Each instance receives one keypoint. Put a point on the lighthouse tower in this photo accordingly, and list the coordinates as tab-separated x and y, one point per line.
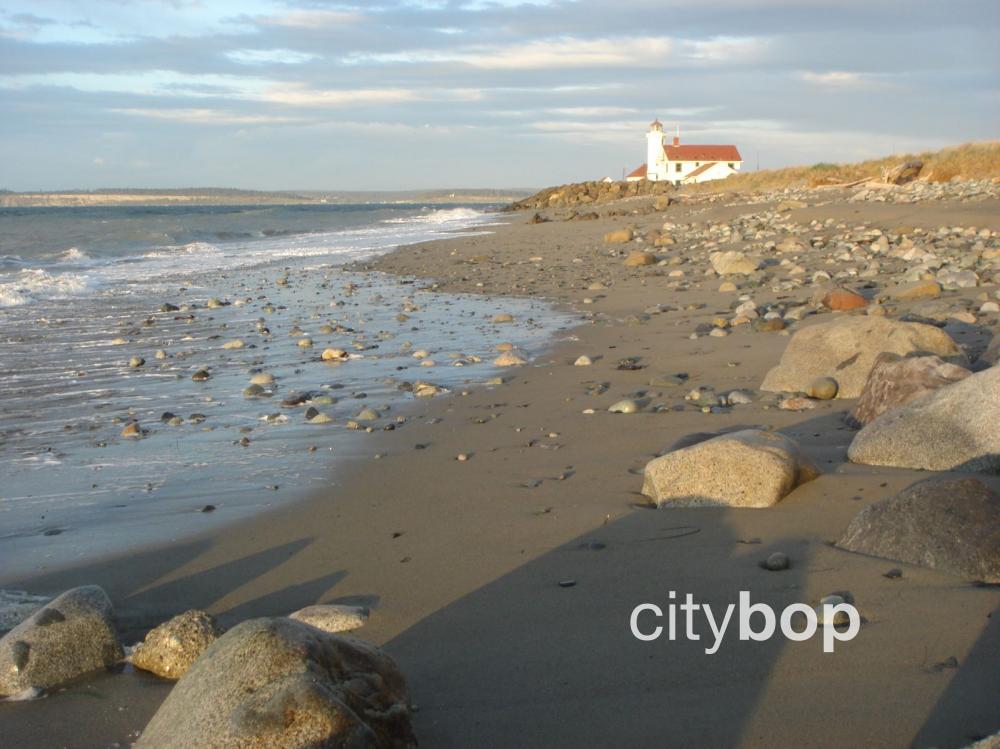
656	160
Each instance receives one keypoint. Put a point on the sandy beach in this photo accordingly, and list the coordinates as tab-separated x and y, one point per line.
502	583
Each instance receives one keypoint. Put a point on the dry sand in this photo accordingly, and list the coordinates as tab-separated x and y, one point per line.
461	560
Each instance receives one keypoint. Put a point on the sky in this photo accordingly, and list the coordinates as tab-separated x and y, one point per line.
407	94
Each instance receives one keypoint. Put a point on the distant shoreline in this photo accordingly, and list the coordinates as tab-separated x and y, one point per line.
111	198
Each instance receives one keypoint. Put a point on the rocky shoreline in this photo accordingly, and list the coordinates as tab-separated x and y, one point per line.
802	380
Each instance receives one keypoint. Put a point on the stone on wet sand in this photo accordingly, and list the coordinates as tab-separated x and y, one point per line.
776	562
72	636
132	430
503	318
136	361
846	350
949	524
895	381
170	649
626	406
583	361
201	375
262	378
234	344
954	428
733	262
509	359
334	354
254	391
280	683
332	617
748	468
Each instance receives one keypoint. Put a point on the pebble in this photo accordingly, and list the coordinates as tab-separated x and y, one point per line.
777	562
583	361
796	403
503	318
262	378
132	429
626	406
254	391
333	354
305	343
823	388
201	375
234	344
136	361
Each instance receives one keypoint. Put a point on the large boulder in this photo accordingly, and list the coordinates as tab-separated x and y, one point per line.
955	428
72	636
748	468
951	524
846	350
895	381
170	649
733	262
278	683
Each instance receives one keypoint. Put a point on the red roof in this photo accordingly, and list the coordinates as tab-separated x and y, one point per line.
702	153
639	171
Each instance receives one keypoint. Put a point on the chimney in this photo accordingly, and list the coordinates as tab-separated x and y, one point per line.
677	141
677	136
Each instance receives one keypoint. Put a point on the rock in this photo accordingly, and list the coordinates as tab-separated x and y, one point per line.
201	375
509	359
732	262
788	205
425	390
626	406
16	606
895	381
170	649
582	361
72	636
332	617
796	403
620	236
918	290
637	258
727	287
769	325
739	398
254	391
846	350
842	299
136	361
279	683
957	279
132	430
160	354
949	524
503	318
334	354
840	618
823	388
777	562
748	468
305	343
954	428
319	418
234	344
262	379
367	414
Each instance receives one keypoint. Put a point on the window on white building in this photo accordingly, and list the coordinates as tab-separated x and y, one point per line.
677	168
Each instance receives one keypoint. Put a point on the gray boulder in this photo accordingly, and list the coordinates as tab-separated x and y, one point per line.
846	350
748	468
170	649
895	381
951	524
72	636
277	683
955	428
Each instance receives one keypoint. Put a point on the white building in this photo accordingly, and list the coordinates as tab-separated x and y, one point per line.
684	164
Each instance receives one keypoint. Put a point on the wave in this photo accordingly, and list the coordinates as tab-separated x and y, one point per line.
35	284
440	216
74	255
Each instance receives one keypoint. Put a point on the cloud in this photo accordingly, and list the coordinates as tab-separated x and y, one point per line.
206	116
301	95
270	56
842	79
313	19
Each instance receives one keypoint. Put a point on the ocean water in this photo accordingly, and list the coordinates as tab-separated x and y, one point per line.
82	292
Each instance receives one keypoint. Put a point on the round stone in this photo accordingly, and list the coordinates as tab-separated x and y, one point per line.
823	388
201	375
136	361
777	562
626	406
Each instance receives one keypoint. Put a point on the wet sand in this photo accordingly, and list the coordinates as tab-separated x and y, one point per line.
461	560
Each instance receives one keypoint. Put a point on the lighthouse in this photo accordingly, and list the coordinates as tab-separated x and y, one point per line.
655	156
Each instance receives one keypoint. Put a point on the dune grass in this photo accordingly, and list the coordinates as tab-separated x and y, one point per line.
968	161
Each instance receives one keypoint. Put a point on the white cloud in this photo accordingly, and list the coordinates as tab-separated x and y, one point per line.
206	116
842	79
577	52
314	19
270	56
